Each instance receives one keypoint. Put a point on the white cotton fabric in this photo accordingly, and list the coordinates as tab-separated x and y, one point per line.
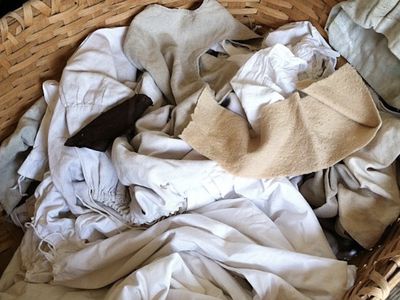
362	192
293	52
80	198
260	240
206	247
305	42
96	78
268	76
165	177
12	286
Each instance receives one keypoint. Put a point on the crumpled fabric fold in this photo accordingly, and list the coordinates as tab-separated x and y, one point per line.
151	217
362	191
367	34
13	152
171	50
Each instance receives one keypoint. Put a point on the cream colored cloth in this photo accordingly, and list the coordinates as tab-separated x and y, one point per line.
362	191
297	135
168	44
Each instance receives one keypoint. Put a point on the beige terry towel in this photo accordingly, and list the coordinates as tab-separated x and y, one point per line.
297	135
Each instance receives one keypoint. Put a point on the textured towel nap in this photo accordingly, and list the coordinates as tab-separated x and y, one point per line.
297	135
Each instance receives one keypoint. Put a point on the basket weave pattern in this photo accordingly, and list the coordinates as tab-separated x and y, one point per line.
37	39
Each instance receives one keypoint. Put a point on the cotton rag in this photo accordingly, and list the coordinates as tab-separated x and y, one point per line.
13	152
297	135
168	43
362	190
367	34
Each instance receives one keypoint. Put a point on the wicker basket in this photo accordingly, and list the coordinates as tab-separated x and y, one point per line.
37	39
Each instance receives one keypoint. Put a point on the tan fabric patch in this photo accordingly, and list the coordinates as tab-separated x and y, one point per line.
297	136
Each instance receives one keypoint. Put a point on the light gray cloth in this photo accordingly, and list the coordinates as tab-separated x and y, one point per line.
168	44
367	34
13	152
36	163
395	294
362	191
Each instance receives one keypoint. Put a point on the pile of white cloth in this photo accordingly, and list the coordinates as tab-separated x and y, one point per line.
151	218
